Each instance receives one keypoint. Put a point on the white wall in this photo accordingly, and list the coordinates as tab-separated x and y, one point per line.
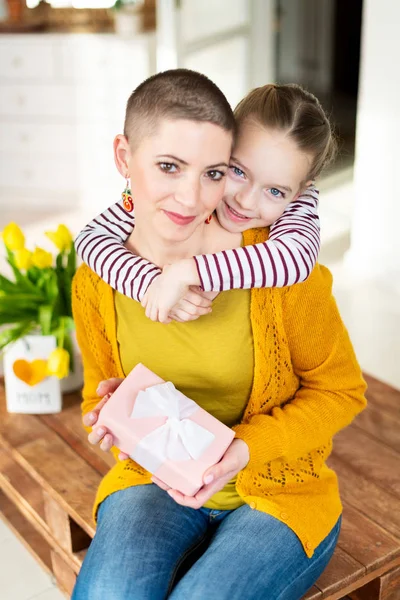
375	235
230	41
62	101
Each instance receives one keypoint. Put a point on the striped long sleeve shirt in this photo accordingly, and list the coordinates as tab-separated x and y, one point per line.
287	257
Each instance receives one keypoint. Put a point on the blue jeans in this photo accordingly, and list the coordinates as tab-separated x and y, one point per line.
147	547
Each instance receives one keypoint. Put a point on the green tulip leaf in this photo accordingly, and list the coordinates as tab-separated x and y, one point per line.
12	334
45	317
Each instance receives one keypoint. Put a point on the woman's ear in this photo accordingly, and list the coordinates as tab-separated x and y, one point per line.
122	155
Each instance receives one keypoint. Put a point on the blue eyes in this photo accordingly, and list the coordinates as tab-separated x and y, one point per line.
276	193
237	171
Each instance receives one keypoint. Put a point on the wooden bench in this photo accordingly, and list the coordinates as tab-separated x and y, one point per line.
49	474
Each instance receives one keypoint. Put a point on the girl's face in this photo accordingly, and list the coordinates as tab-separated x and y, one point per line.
178	176
267	171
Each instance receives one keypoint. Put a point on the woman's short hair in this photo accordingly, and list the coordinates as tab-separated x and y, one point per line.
175	94
291	108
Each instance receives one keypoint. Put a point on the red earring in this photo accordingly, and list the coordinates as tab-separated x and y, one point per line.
127	198
208	220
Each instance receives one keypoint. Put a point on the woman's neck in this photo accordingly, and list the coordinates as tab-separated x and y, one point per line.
207	239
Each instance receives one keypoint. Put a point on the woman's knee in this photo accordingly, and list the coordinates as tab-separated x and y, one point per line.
123	505
98	585
113	547
140	539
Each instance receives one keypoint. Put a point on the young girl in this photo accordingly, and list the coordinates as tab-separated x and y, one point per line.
287	257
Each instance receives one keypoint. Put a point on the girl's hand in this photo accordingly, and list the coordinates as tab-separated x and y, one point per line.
195	304
215	478
168	289
100	435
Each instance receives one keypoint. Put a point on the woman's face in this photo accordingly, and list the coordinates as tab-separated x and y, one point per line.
178	176
267	171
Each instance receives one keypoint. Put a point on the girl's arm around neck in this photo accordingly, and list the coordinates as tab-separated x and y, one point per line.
101	246
287	257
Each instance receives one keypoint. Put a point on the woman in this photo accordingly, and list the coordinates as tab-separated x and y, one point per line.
274	364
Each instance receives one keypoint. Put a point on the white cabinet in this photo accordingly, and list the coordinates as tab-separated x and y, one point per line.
62	101
22	60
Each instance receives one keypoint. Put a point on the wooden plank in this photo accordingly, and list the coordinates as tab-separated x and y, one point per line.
382	395
21	489
25	532
16	430
382	426
368	498
390	585
32	505
386	587
365	541
67	478
58	521
68	425
43	530
369	458
313	594
80	556
358	583
341	571
63	573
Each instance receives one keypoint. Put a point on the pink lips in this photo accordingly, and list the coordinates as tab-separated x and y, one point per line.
179	219
235	216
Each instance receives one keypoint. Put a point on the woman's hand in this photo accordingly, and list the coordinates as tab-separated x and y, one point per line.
99	435
174	294
215	478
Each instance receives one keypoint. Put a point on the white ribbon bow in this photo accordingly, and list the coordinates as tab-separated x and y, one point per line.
178	438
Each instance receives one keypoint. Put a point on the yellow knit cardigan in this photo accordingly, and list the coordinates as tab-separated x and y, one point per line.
307	386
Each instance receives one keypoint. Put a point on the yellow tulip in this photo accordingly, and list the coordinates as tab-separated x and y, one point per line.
41	258
62	237
13	237
23	259
58	363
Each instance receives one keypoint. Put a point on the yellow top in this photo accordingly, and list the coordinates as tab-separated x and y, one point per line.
209	360
307	385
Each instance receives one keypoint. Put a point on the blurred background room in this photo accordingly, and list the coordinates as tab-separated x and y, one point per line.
67	68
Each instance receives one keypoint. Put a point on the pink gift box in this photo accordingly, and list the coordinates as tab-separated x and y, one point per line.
129	432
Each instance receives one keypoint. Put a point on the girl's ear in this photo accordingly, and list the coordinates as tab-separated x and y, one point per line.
122	155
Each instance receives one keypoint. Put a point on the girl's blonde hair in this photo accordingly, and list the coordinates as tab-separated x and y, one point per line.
291	108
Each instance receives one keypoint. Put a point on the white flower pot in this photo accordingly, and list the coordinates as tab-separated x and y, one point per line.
28	389
44	396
